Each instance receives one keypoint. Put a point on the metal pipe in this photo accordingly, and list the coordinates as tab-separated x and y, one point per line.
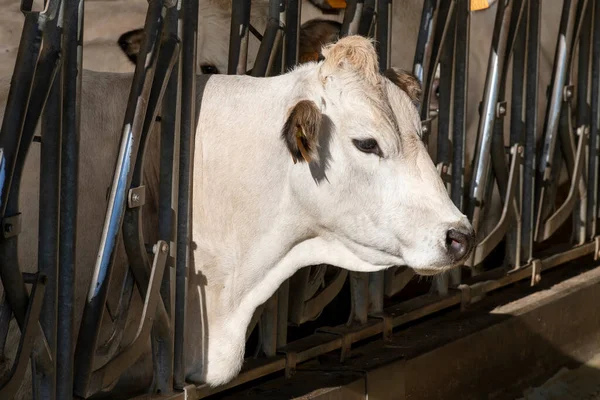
531	122
352	15
167	214
459	120
238	37
134	117
481	169
189	14
594	158
292	33
49	208
270	43
551	122
384	30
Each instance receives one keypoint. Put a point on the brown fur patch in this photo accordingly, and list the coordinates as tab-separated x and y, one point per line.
314	34
353	52
405	81
301	131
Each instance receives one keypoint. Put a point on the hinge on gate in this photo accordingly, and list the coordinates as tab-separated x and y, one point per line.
11	226
136	197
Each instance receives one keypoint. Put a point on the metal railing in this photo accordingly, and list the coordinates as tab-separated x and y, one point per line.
47	83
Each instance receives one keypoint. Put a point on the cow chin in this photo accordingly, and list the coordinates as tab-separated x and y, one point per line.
429	271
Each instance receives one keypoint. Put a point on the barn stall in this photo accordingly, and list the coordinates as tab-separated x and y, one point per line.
524	170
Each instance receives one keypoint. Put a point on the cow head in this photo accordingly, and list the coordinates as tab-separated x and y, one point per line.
362	173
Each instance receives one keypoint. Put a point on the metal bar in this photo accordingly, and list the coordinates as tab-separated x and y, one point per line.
551	123
352	15
189	110
594	156
72	75
133	223
425	39
367	20
27	96
383	33
443	22
270	43
481	168
167	214
111	371
134	118
292	33
459	120
531	102
49	208
12	381
238	37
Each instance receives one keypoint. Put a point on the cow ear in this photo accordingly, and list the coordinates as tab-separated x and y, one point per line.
131	42
407	82
301	131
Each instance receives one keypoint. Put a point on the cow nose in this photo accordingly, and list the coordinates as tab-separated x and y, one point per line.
459	244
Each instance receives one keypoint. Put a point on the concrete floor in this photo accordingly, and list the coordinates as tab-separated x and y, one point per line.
582	383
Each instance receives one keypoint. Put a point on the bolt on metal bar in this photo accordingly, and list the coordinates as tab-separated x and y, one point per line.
134	117
189	109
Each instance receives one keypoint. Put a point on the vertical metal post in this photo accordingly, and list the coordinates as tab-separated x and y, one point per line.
546	167
459	126
384	30
238	37
352	15
270	43
121	183
482	171
167	211
531	121
292	33
49	208
72	77
594	158
189	14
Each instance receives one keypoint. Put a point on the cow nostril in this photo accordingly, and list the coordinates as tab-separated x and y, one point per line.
459	244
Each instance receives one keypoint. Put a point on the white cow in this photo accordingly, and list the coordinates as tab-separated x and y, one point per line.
368	198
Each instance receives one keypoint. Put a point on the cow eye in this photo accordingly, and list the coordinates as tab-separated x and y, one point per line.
368	146
209	69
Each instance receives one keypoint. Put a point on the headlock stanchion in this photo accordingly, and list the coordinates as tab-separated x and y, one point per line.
87	380
32	79
534	204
